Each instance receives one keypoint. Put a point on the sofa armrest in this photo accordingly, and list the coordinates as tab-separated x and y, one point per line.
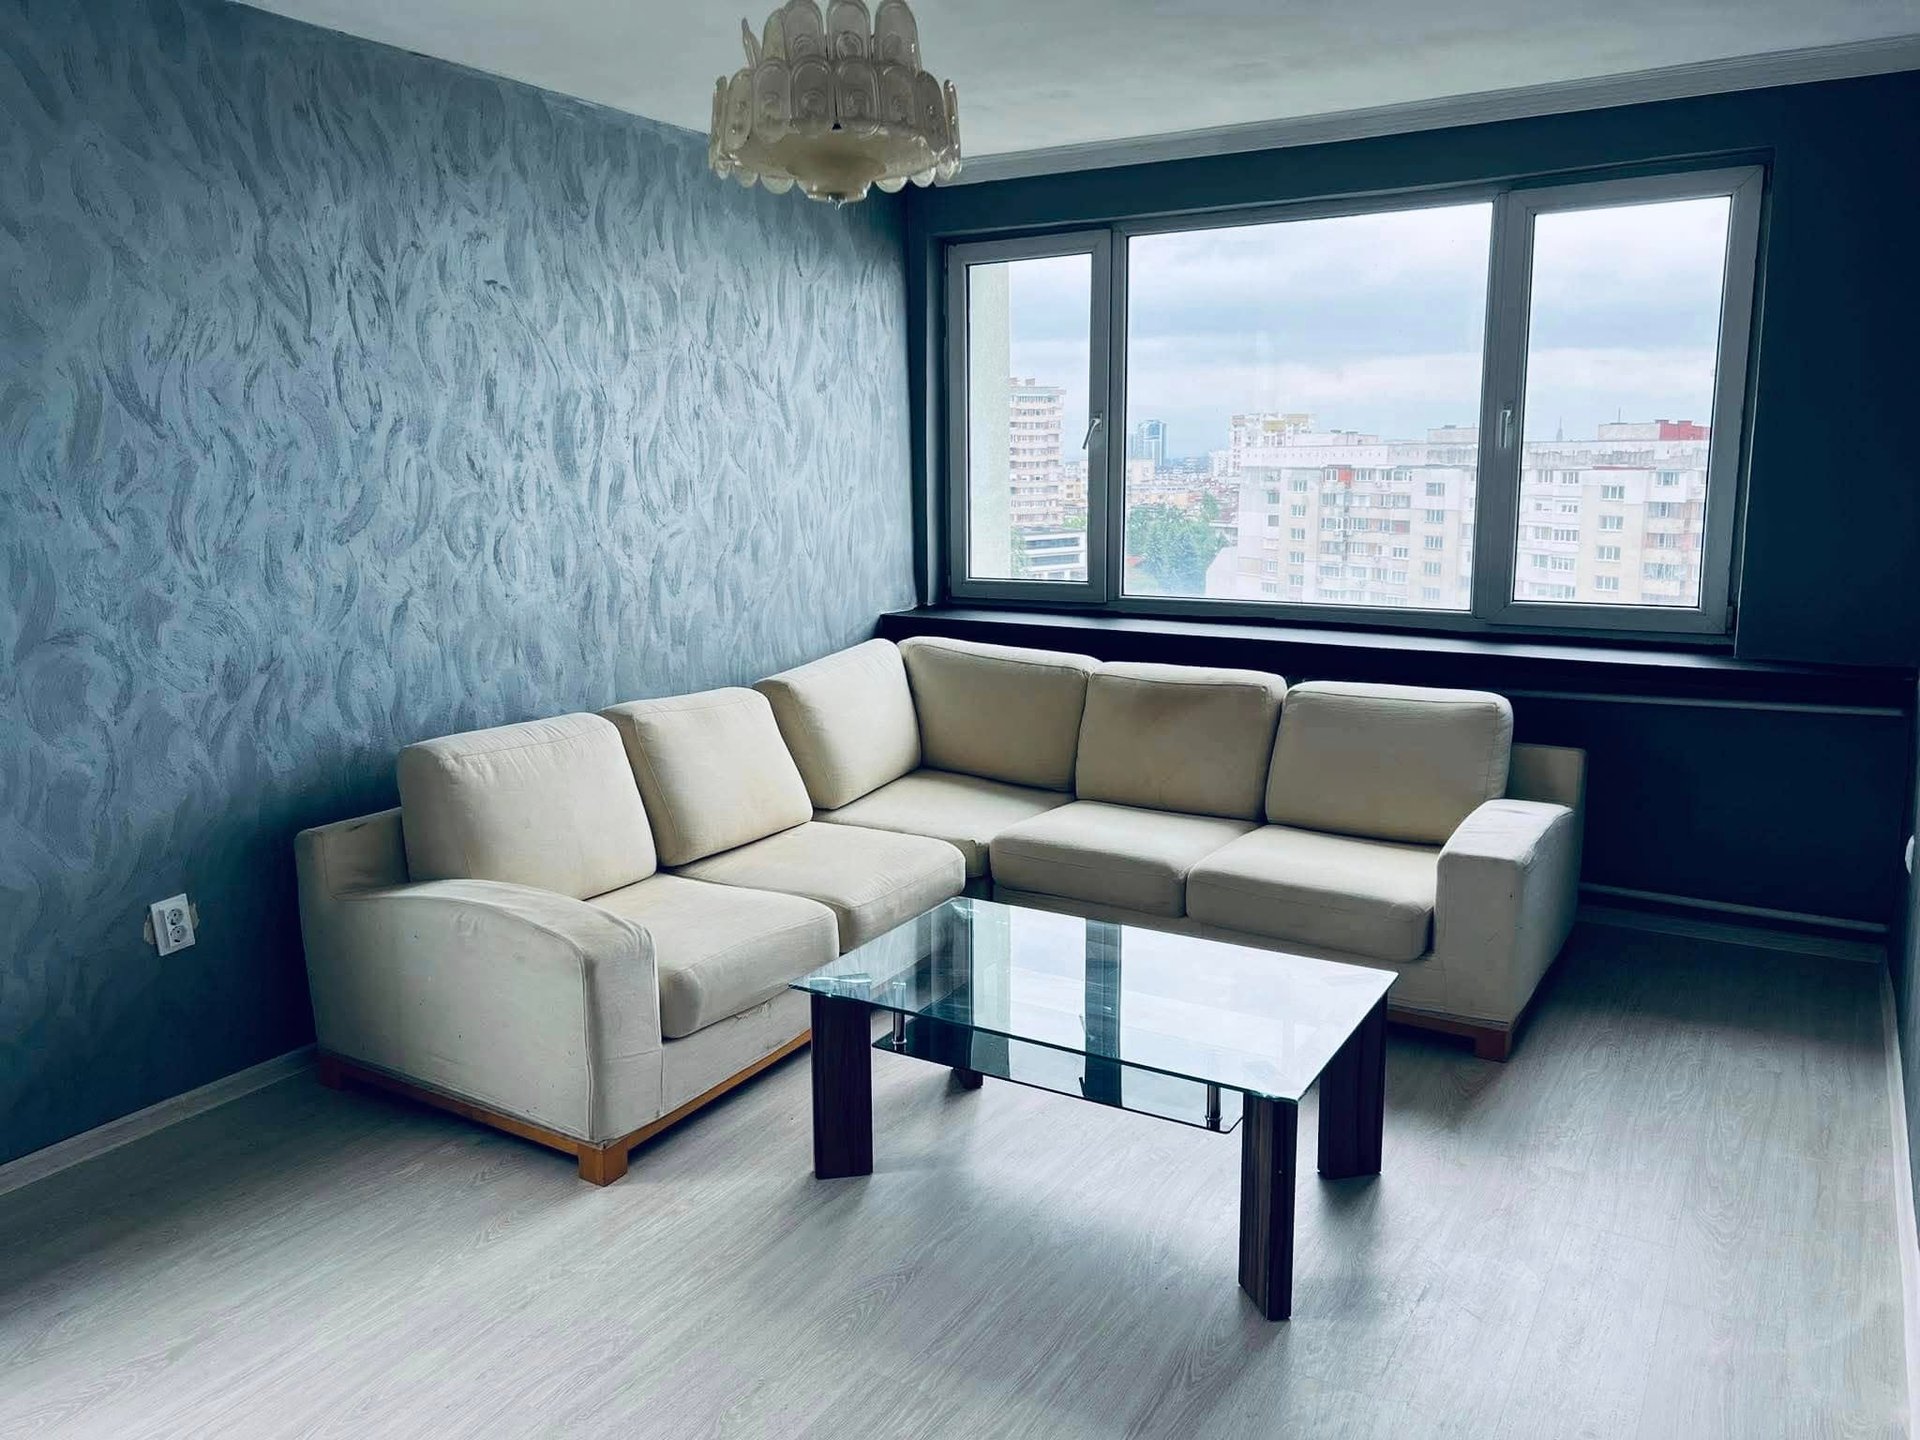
532	1003
1509	882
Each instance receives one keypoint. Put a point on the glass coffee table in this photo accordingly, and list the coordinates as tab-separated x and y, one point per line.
1190	1030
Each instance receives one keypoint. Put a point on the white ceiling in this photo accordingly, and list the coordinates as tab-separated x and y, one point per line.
1039	74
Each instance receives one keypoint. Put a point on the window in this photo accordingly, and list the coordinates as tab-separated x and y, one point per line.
1033	352
1606	582
1268	341
1500	354
1628	330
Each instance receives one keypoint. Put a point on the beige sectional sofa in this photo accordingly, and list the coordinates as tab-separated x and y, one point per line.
1378	824
580	929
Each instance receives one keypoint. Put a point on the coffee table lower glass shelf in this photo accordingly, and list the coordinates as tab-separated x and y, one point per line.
1195	1031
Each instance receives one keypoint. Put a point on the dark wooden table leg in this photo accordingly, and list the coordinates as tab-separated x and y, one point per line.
842	1088
1269	1133
967	1079
1353	1101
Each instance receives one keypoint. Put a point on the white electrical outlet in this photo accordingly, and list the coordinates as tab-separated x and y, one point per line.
171	923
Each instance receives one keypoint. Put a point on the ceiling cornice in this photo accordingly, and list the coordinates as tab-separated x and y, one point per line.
1675	82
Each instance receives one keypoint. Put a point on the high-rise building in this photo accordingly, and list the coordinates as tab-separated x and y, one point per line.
1035	474
1148	442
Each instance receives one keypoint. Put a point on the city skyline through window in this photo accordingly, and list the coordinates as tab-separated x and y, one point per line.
1301	411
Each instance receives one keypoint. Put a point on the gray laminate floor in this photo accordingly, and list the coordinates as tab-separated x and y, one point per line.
1672	1214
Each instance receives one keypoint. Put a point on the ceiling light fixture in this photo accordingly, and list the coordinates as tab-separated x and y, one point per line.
835	105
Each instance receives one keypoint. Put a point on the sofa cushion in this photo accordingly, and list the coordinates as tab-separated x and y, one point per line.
719	949
1392	762
872	880
1110	854
1367	897
550	804
1178	737
713	771
963	810
848	720
998	711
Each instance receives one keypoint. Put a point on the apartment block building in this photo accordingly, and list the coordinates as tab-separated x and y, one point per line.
1035	475
1341	518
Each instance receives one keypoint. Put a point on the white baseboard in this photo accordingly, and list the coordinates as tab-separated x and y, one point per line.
115	1133
1906	1231
1729	932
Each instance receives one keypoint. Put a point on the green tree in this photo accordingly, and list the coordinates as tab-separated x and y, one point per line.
1172	548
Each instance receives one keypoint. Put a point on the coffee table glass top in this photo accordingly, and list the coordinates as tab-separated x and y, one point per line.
1144	1002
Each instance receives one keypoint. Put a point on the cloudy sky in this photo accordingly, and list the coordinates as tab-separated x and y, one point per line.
1374	322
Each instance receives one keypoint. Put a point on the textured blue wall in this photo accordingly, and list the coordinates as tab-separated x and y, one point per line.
347	397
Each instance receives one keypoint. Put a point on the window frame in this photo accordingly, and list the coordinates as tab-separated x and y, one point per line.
1492	612
961	583
1503	420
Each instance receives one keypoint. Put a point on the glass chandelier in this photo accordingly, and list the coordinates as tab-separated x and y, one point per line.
835	105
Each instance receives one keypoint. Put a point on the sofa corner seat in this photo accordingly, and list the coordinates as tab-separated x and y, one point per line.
966	811
731	807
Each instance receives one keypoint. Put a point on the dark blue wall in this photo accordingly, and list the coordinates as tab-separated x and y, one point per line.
1738	785
347	397
1832	537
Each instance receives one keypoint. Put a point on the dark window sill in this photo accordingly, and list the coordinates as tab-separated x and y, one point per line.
1303	653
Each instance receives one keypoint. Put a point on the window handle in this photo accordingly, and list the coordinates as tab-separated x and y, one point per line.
1093	424
1506	427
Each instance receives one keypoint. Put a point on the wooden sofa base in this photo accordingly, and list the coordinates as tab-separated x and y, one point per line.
600	1164
604	1163
1490	1042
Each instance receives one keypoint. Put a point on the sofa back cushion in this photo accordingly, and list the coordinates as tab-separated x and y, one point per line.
848	721
998	711
1178	737
713	770
1393	762
550	803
